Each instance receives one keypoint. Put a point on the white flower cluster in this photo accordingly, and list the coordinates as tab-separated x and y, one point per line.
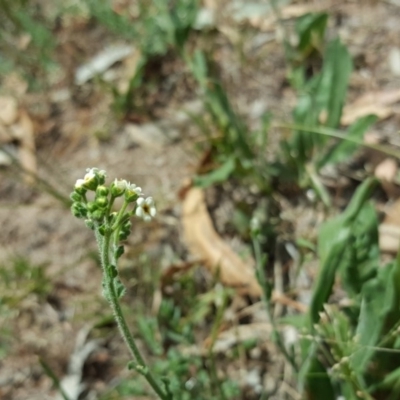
145	207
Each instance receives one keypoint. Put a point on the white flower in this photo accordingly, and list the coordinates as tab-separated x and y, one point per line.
79	183
91	179
96	172
134	189
121	184
145	208
91	173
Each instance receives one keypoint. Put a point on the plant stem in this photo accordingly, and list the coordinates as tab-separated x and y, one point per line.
266	295
113	299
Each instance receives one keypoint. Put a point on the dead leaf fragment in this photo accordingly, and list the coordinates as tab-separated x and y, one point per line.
389	238
379	103
8	110
102	61
386	171
204	241
389	230
394	61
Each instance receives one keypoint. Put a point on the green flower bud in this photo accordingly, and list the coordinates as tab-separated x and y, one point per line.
102	202
75	196
92	206
102	191
118	187
98	215
132	193
79	210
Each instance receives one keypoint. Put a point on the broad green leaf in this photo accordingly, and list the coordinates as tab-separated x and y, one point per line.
219	175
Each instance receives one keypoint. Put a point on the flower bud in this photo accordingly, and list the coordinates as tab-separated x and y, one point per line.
75	196
132	193
79	210
92	206
102	202
98	215
102	191
118	187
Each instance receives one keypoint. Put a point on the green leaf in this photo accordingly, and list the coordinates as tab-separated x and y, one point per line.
346	148
333	243
363	251
311	30
377	300
318	384
335	76
118	252
219	175
199	68
119	287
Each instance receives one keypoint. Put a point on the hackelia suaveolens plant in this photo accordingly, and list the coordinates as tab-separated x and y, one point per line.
111	228
98	210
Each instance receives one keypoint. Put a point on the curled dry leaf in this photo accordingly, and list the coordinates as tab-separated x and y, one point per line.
204	241
379	103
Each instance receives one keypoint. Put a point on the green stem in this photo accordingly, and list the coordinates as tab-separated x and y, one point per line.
119	216
266	295
113	299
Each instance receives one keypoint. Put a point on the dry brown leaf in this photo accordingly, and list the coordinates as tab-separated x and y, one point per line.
8	110
389	238
389	230
378	103
386	171
204	241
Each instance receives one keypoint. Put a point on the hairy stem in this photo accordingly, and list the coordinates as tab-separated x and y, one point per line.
113	298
